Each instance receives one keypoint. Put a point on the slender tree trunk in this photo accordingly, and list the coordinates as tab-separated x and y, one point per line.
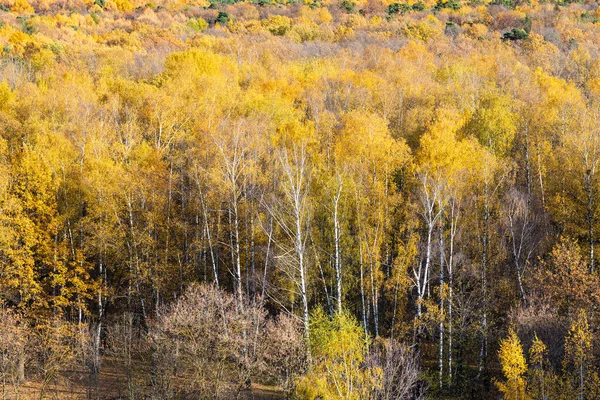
450	322
361	262
297	184
233	270
453	227
374	296
98	335
136	266
168	227
338	260
327	296
21	368
362	289
484	338
268	252
300	252
252	255
590	216
527	168
394	311
441	327
238	263
208	237
427	258
581	381
541	177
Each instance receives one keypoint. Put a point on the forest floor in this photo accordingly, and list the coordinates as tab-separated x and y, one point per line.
109	390
111	384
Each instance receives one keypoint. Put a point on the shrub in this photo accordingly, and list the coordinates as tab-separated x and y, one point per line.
12	348
278	25
449	4
348	6
339	348
124	5
399	371
514	367
198	24
451	29
222	18
284	351
209	338
423	30
124	342
53	350
515	34
420	6
476	31
95	18
403	8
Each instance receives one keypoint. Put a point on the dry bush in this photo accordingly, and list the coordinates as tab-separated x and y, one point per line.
208	340
86	350
399	371
284	351
53	347
12	350
87	353
540	318
124	342
243	11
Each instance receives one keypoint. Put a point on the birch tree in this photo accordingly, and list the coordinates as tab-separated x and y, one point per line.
292	212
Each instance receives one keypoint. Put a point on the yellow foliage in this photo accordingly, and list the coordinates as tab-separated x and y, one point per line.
579	340
366	137
320	15
42	58
537	351
375	20
123	5
278	25
324	16
476	30
514	367
355	21
343	32
308	32
338	347
22	7
6	97
443	155
494	123
424	30
254	27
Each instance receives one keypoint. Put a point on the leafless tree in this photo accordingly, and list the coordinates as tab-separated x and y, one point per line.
124	343
12	351
207	340
87	352
53	347
400	371
284	351
520	226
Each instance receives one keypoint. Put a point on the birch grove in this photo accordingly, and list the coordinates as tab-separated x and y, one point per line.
349	199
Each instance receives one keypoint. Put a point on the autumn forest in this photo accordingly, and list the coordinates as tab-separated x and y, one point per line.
211	199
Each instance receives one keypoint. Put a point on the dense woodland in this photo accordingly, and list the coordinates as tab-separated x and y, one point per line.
333	200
